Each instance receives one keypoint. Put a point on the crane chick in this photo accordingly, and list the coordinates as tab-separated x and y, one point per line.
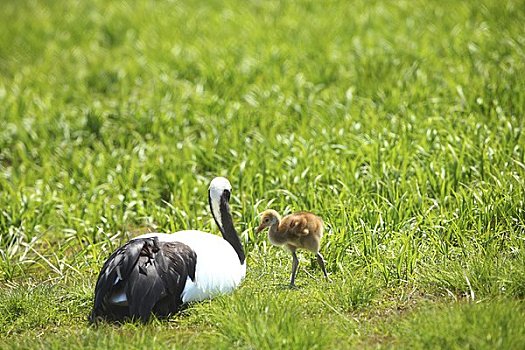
299	230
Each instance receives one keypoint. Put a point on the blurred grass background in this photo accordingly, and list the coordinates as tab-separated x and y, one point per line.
400	123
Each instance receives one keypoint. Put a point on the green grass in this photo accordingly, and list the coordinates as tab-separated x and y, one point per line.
399	122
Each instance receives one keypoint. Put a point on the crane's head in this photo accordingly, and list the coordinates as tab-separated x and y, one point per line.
219	195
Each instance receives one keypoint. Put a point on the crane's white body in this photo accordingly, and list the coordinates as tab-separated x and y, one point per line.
218	270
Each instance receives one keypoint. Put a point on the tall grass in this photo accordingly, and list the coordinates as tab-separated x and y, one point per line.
400	123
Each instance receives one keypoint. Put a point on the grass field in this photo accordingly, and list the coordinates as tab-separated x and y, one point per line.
399	122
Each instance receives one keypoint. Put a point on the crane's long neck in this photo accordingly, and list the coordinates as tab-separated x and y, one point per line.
220	209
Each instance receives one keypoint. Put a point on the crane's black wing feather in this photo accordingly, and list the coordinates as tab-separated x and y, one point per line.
152	276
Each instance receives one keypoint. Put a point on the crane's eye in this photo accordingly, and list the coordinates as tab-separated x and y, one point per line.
266	220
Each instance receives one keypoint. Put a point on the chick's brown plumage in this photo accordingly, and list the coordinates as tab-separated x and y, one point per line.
298	230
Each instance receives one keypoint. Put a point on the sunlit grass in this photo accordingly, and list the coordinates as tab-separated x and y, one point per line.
400	123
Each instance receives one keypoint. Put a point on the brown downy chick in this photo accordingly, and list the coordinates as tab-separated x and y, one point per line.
299	230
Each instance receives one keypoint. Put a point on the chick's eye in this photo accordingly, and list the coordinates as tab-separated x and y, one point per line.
266	220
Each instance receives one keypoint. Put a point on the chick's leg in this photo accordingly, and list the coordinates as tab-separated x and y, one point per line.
320	261
295	263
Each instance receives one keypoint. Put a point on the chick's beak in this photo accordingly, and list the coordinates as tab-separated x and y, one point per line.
260	228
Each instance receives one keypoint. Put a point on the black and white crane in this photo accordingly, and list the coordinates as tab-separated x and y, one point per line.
157	273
